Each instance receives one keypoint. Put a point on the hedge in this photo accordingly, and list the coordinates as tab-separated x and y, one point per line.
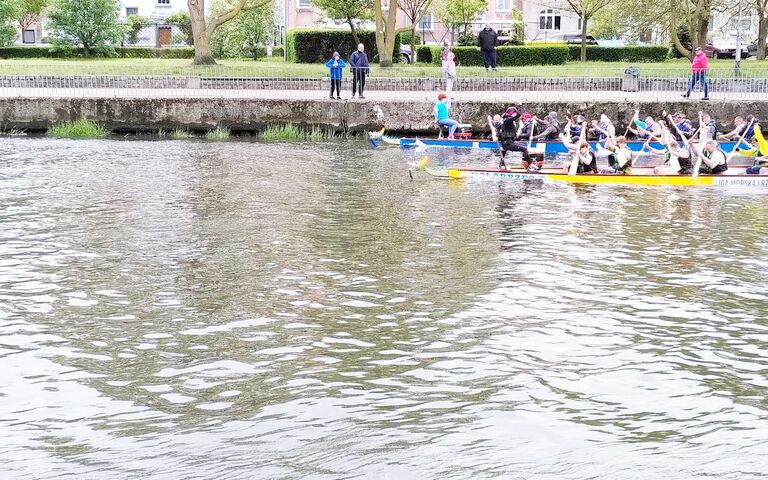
317	46
121	52
506	56
278	51
595	53
405	38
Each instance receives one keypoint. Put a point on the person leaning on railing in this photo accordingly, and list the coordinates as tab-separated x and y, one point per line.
360	68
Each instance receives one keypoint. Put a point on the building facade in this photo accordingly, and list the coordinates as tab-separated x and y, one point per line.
155	10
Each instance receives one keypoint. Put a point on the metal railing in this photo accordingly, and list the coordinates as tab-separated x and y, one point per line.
160	79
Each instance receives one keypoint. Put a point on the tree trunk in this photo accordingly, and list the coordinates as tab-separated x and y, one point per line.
583	37
762	32
673	24
413	43
354	33
200	34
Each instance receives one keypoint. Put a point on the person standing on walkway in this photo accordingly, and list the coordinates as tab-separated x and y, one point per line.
488	40
699	68
360	68
449	72
336	65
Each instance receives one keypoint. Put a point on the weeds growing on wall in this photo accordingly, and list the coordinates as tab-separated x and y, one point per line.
81	128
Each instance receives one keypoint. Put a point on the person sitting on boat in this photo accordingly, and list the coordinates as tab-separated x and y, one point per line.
551	127
442	117
709	125
527	125
677	158
738	128
713	159
647	129
587	157
507	137
603	129
759	150
575	127
682	127
620	159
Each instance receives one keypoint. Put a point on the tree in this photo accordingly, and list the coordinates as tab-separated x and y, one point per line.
8	13
91	23
518	26
352	12
694	16
761	7
204	28
181	20
30	12
246	34
414	10
133	26
460	13
586	9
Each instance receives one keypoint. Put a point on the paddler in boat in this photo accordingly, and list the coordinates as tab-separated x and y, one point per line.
709	126
682	126
713	159
603	129
527	125
645	129
677	159
575	127
758	150
442	117
620	159
739	125
551	127
507	137
587	157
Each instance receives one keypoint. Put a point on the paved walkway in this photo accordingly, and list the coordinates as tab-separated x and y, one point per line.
571	96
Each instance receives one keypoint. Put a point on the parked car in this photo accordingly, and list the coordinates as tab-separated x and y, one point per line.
724	49
571	39
406	56
752	49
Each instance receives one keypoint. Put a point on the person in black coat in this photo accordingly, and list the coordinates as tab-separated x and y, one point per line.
488	40
360	68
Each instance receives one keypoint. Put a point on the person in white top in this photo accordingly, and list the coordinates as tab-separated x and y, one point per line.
713	159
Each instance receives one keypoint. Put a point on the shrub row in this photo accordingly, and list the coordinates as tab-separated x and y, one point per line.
506	56
121	52
595	53
317	46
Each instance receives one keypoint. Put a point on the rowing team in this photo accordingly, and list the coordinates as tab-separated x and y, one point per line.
513	125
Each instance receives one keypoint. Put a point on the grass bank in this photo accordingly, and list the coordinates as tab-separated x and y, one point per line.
278	68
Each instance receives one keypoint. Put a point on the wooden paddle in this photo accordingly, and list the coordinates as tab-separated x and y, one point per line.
533	129
494	137
577	155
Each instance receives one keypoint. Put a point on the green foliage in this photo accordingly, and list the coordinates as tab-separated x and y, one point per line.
81	128
218	133
290	132
181	134
67	50
345	11
245	35
517	36
428	53
133	26
645	54
459	13
278	51
405	38
184	23
9	11
507	56
466	39
90	23
315	46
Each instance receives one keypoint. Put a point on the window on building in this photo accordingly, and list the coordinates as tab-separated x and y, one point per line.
503	5
28	36
304	3
580	20
549	20
426	22
165	3
131	11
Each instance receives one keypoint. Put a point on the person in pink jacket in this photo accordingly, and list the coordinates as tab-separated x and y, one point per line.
699	69
449	71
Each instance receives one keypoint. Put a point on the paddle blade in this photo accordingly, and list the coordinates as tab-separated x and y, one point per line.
423	163
574	165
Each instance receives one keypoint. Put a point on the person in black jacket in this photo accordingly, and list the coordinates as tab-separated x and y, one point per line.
488	40
507	137
360	68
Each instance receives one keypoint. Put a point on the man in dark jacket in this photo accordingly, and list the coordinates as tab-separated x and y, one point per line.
507	137
360	68
488	40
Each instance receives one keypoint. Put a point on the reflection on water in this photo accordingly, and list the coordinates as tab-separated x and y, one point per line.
203	310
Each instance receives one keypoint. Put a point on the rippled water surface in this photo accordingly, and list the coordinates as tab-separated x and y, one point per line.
192	310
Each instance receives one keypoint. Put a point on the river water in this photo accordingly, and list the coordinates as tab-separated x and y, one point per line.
193	310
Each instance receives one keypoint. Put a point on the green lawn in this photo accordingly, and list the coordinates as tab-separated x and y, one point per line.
278	68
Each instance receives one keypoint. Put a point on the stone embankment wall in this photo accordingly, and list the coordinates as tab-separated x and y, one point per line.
144	114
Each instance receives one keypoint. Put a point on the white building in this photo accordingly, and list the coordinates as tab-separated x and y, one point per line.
155	10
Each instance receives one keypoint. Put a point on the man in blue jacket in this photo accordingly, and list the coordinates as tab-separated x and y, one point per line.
358	62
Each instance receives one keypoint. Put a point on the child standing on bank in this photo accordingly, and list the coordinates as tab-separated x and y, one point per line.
336	65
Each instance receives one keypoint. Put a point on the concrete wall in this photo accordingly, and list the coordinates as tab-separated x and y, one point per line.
139	114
